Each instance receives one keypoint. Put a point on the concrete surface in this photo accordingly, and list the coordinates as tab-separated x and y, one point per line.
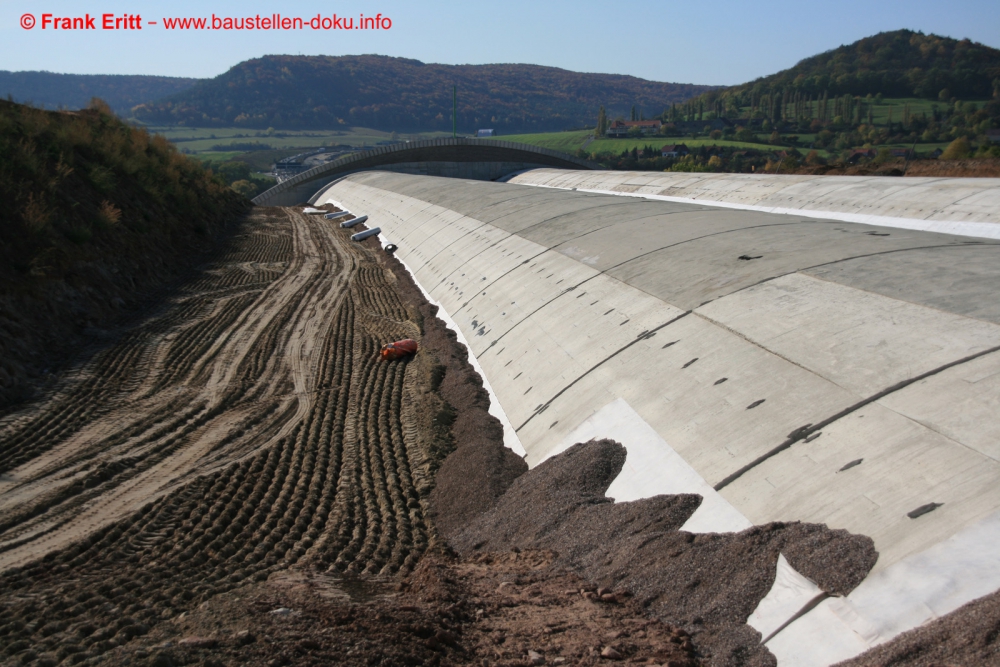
806	368
963	206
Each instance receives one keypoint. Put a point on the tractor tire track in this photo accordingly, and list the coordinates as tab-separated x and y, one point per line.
239	435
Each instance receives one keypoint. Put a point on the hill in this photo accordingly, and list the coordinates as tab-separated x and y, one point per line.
901	63
96	216
74	91
407	95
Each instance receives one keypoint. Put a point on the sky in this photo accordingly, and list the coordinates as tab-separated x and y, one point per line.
717	43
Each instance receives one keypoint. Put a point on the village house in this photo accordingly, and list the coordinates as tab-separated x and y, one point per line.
674	150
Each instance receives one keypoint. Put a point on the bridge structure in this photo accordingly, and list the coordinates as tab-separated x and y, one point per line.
473	159
790	348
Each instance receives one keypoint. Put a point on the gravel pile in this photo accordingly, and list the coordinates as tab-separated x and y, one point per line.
708	584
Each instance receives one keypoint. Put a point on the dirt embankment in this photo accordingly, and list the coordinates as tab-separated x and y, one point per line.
708	584
972	168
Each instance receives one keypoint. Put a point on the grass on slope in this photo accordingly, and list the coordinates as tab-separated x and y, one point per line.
567	142
204	139
95	215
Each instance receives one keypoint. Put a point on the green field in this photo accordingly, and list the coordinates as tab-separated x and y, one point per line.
567	142
880	112
199	140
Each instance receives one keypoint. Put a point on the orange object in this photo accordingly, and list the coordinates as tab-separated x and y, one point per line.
400	348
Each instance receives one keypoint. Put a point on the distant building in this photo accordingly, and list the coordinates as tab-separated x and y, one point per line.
674	150
993	136
901	152
620	128
617	129
486	133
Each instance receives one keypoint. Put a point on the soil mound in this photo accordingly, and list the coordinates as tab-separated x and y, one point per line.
481	469
968	636
709	584
971	168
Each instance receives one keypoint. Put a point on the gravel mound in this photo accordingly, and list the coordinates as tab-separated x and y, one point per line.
708	584
481	469
968	636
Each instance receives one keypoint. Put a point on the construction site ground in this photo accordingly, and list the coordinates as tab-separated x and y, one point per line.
237	479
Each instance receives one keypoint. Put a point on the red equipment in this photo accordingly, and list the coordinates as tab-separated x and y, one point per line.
400	348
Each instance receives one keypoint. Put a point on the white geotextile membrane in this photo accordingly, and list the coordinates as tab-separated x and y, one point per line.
905	595
653	468
790	594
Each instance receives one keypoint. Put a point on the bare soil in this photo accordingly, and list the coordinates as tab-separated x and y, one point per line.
247	428
971	168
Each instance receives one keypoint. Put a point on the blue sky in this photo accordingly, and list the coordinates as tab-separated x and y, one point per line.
722	42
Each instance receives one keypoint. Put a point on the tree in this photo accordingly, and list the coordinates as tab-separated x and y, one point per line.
602	123
233	171
634	116
245	188
957	150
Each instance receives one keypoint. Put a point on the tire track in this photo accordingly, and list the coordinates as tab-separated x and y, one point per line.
262	434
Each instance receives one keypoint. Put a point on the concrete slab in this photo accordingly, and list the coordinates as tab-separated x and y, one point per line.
653	468
965	206
961	279
861	341
898	466
915	591
689	274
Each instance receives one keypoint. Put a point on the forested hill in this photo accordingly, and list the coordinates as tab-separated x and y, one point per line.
896	64
74	91
408	95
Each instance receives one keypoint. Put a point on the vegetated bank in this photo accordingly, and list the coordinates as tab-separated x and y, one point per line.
97	215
